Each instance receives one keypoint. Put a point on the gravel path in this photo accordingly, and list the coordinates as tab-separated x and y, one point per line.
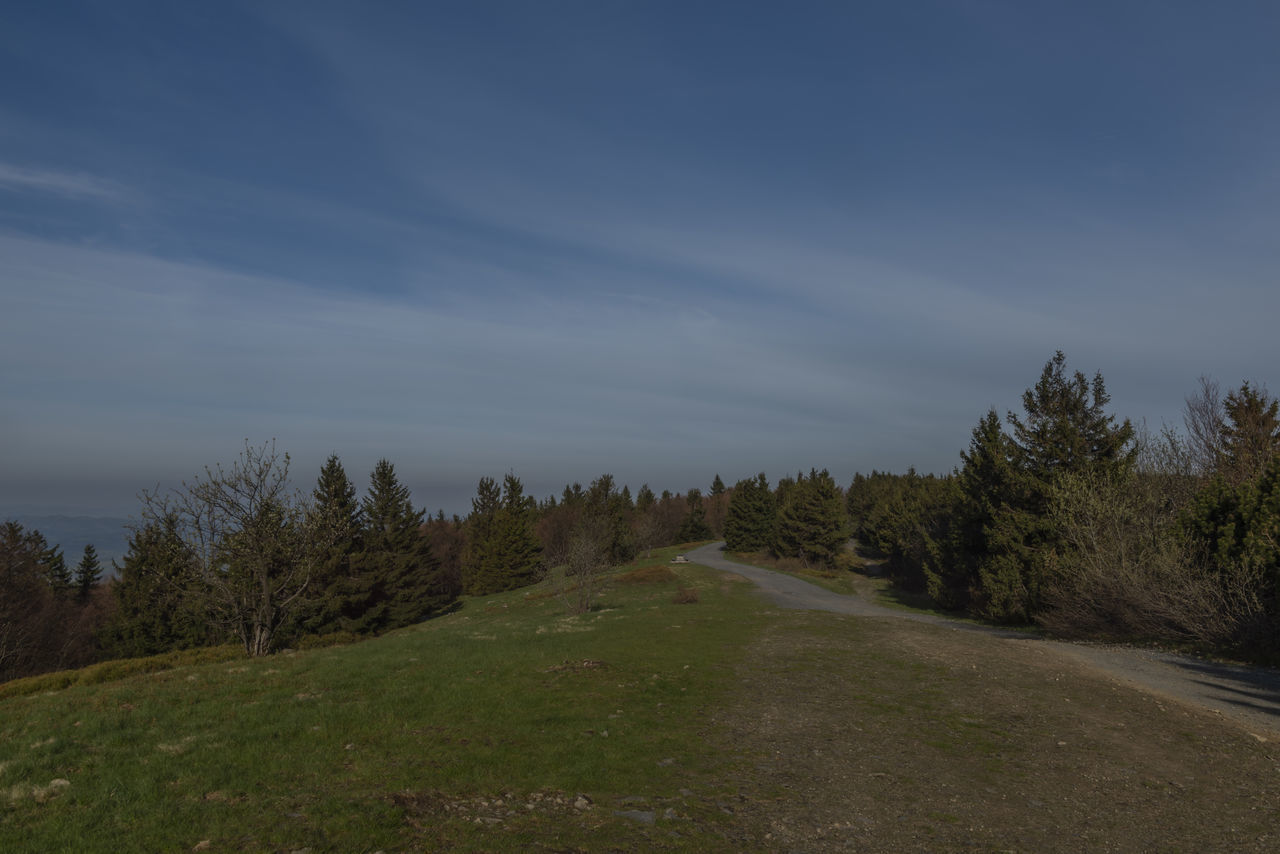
1249	696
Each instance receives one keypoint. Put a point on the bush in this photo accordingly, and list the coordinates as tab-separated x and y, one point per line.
1127	572
686	596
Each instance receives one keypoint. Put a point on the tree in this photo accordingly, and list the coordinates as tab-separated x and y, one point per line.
599	536
751	522
811	521
404	582
985	484
1065	430
694	527
334	588
26	602
1204	418
88	573
160	596
250	540
57	571
1250	433
503	551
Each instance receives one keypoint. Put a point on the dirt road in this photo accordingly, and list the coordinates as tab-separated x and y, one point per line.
1247	696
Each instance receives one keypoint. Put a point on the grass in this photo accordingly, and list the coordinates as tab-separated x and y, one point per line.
719	724
406	741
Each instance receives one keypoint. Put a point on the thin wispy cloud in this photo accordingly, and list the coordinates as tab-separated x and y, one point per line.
73	185
615	238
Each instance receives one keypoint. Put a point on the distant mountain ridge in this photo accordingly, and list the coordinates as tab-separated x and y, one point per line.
108	534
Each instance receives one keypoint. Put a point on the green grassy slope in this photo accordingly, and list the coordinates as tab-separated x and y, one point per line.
477	730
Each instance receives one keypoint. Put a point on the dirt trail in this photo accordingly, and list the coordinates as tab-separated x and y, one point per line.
1247	696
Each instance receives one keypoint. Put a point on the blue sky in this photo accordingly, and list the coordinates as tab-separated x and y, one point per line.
662	240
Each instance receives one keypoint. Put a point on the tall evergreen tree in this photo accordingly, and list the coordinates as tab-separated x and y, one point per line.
717	486
694	527
645	499
752	519
159	603
1065	430
503	551
811	520
1250	433
401	580
88	573
56	570
336	594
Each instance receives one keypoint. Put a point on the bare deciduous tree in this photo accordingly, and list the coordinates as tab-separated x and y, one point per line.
253	541
1204	418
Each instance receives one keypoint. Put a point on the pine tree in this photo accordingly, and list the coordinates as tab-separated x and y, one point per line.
159	603
1065	430
57	571
503	551
336	595
401	581
752	519
811	520
695	527
1250	434
717	486
645	499
88	573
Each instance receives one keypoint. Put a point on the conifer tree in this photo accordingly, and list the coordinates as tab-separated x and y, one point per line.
1250	433
400	580
88	573
717	486
811	520
1065	430
336	594
503	551
694	527
752	518
645	499
160	603
56	570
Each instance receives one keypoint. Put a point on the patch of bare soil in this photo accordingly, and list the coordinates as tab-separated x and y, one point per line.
874	734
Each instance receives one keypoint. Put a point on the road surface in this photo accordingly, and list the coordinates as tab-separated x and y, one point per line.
1248	695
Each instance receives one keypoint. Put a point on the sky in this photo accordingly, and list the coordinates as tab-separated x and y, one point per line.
660	240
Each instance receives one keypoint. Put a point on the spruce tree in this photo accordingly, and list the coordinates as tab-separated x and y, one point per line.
503	551
750	524
811	521
160	605
88	573
400	580
645	499
336	595
717	486
57	571
1250	434
694	527
1065	430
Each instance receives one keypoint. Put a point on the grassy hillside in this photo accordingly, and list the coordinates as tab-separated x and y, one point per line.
481	729
651	723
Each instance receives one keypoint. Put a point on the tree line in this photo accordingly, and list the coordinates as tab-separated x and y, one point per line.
236	555
1065	516
1061	515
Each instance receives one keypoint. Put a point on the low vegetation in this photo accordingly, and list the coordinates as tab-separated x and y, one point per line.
719	724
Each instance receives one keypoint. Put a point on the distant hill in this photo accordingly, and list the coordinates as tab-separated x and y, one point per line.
107	533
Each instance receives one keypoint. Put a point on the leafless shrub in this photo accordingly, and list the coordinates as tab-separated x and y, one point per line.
1126	572
1204	416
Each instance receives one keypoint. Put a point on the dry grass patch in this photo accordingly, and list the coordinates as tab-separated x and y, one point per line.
647	575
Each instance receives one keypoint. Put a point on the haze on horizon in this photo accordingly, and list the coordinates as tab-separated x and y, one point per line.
654	239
